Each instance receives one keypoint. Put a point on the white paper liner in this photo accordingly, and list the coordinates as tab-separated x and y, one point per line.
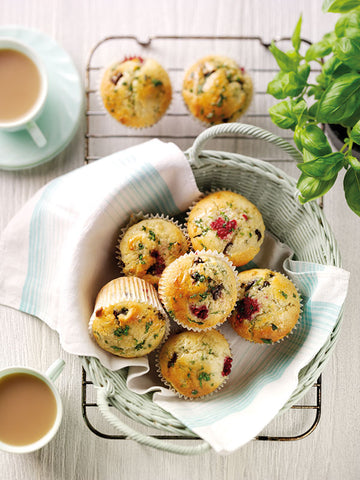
129	289
209	253
101	74
293	328
180	395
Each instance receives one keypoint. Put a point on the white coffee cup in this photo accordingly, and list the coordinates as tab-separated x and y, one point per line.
27	121
48	378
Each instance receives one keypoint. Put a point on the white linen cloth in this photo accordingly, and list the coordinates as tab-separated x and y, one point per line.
59	250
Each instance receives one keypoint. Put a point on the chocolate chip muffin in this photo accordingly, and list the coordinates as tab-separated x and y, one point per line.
269	306
229	223
217	90
195	364
199	290
149	246
136	91
128	318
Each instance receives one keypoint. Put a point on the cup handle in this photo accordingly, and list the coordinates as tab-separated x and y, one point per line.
36	134
55	369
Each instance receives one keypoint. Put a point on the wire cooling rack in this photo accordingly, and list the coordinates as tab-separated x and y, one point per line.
105	136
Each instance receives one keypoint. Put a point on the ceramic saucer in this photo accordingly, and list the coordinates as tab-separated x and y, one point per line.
62	111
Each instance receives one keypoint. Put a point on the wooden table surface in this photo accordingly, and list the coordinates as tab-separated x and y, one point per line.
331	451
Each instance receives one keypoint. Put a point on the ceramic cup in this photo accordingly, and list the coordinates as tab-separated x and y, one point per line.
27	121
48	378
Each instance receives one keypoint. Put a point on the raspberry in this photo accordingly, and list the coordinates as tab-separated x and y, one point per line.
223	227
199	312
227	367
246	308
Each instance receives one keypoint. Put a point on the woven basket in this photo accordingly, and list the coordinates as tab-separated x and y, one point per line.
302	227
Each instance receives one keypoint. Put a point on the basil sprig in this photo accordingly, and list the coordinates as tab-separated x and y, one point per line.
332	98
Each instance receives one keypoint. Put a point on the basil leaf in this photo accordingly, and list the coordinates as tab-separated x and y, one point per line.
339	6
312	188
282	115
348	23
352	189
275	87
325	167
318	50
286	63
355	132
347	49
297	138
330	65
296	39
350	121
299	108
354	162
314	140
340	99
307	156
313	109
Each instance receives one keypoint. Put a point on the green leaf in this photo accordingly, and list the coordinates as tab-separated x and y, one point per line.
347	49
348	23
307	156
275	87
314	140
286	63
318	50
282	115
299	108
325	167
297	138
330	65
296	39
312	188
339	6
350	121
340	99
355	132
313	109
352	189
354	162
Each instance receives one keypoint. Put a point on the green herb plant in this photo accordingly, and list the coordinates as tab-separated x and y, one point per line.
333	98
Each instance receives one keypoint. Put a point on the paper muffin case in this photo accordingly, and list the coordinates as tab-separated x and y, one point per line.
138	217
291	331
209	253
180	395
101	102
137	290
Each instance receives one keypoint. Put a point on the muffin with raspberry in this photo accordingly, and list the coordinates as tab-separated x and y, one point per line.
149	246
195	364
136	91
199	290
128	319
269	306
227	222
217	90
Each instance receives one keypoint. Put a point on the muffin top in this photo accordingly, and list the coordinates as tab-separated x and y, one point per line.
149	246
229	223
136	91
269	306
199	290
128	319
217	90
195	363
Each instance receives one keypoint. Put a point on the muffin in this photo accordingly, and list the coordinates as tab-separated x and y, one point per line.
199	290
217	90
128	318
149	246
229	223
195	364
136	91
269	306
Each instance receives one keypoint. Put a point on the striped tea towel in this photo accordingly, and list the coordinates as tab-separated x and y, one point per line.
59	250
263	377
